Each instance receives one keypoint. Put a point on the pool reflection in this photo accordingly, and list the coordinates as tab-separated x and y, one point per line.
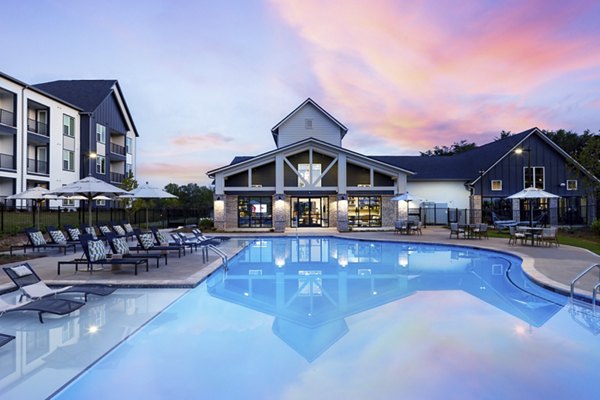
310	285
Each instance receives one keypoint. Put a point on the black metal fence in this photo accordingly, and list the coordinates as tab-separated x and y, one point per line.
14	220
568	216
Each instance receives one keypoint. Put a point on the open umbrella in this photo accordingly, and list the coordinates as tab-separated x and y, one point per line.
407	197
38	194
89	188
146	192
532	193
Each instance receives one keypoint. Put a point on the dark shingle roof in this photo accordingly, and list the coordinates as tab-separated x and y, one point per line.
87	94
464	166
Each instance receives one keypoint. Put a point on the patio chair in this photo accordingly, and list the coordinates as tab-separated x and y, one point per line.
198	233
58	237
514	235
51	305
146	243
38	241
5	339
548	236
73	233
32	286
415	227
456	230
480	231
95	254
400	226
118	246
191	242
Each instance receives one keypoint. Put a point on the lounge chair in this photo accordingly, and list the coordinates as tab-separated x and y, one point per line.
122	232
118	245
73	233
4	339
198	233
32	286
50	305
58	237
96	255
38	241
90	230
146	243
503	224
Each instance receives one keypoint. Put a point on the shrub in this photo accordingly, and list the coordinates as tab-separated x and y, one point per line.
596	227
205	223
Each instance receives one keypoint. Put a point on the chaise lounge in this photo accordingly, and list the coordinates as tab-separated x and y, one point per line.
51	305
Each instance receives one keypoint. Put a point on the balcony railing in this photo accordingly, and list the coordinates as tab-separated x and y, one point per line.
37	166
116	177
7	117
117	149
38	127
7	161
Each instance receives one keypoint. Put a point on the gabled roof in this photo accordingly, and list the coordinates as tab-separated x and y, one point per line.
275	129
241	160
464	166
37	90
87	94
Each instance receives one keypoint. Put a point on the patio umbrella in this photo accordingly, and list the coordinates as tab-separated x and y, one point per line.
38	194
532	193
146	192
407	197
90	188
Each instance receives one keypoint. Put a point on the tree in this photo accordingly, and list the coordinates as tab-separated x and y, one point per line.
503	135
132	206
456	148
190	196
590	155
571	142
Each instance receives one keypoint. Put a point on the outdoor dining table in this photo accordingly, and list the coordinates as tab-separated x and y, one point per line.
469	230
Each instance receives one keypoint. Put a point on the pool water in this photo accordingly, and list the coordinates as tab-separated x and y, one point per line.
329	318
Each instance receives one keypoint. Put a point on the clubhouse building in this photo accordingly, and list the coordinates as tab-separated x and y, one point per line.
311	180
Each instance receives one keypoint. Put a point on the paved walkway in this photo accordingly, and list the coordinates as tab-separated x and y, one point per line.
553	267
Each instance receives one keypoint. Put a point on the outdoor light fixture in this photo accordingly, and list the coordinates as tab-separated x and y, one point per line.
280	197
342	196
218	197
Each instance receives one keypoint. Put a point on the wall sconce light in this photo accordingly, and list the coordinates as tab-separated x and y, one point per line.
279	197
342	196
562	184
219	197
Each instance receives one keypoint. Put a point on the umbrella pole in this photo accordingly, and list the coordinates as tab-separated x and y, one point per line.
146	217
38	214
530	213
90	211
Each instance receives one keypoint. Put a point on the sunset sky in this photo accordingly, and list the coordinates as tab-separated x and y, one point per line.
207	80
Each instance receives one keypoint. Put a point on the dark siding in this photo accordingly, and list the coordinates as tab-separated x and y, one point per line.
330	179
264	175
240	179
289	177
382	180
510	170
109	114
356	175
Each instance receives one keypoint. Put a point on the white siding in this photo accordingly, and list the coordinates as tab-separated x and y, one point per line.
453	193
323	128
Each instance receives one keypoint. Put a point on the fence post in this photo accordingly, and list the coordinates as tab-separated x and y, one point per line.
59	212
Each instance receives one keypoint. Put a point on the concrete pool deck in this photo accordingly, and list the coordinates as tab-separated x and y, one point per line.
553	267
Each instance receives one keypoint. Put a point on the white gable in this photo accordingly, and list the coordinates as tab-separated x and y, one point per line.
309	120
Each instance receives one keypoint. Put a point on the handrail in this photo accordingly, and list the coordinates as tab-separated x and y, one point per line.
581	275
219	252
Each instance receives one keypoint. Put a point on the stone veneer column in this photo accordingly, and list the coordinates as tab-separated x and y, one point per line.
342	212
279	213
219	212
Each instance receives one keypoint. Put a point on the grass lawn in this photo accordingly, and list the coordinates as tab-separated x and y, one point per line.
575	237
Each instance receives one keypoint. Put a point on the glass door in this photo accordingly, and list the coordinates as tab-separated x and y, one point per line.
309	211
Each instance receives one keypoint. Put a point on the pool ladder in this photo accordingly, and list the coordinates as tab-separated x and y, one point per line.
581	275
219	252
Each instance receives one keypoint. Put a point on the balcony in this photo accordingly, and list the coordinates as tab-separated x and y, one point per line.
7	161
7	117
116	177
117	149
37	166
41	128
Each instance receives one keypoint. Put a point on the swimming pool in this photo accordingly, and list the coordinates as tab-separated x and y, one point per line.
327	318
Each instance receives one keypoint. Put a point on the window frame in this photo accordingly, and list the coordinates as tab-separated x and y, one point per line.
374	219
100	133
245	205
571	181
70	160
498	183
128	145
314	171
100	165
535	171
68	128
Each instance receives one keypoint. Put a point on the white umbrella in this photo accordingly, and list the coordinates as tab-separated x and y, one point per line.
407	197
532	193
145	191
37	193
89	188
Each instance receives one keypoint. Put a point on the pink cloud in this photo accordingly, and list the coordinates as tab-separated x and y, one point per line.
208	140
430	73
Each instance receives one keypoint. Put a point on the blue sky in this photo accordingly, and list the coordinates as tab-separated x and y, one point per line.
207	80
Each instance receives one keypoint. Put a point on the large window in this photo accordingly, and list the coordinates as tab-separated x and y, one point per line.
304	171
100	133
68	125
129	145
68	160
364	211
534	176
101	165
255	212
